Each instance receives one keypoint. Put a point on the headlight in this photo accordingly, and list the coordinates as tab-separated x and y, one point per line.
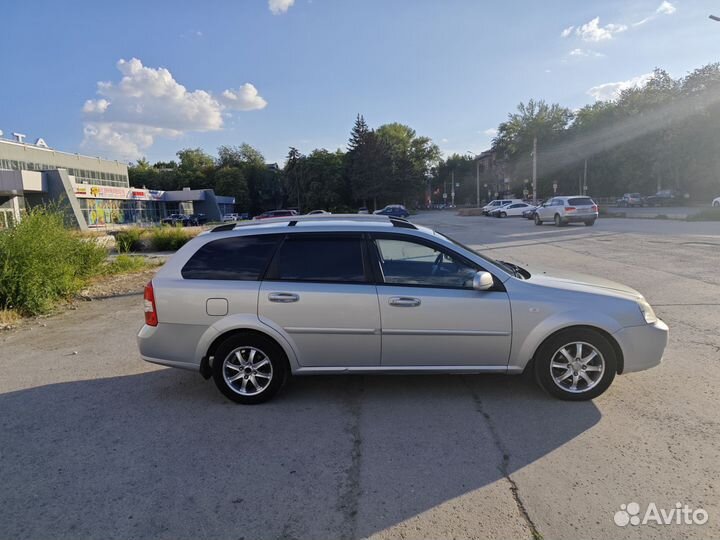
647	312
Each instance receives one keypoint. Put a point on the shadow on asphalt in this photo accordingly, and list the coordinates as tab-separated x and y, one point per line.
163	454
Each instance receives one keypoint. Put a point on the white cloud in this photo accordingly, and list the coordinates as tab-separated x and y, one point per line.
666	8
610	91
566	33
149	102
490	132
245	98
585	52
278	7
592	31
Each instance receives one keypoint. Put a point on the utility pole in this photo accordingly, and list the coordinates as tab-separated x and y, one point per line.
584	190
477	183
452	189
534	179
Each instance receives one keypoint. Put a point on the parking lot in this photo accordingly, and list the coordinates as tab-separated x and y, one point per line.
96	443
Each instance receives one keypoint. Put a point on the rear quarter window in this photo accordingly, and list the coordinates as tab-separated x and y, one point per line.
241	258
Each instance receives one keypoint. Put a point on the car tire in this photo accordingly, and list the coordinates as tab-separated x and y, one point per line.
537	219
716	205
590	375
257	381
503	214
590	223
558	221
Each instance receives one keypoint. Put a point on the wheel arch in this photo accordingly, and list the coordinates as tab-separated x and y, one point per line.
604	333
218	333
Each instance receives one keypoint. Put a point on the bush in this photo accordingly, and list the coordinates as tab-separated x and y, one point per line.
128	240
169	238
707	214
42	262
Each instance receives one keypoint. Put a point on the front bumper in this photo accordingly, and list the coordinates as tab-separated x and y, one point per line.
642	346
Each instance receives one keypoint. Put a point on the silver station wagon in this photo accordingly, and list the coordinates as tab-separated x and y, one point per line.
250	305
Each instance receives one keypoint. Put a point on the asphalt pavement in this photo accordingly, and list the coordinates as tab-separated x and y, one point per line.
94	443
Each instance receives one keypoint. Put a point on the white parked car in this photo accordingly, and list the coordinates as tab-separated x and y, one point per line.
230	217
497	203
564	210
716	202
511	210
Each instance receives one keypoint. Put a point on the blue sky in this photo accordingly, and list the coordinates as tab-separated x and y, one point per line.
236	72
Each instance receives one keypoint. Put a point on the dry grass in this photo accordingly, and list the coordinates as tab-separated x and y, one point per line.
8	318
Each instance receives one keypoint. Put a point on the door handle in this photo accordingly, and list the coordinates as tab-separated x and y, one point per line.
404	301
283	297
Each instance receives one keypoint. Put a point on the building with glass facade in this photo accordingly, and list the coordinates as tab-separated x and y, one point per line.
95	192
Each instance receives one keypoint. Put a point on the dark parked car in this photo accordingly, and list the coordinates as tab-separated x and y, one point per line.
276	213
198	219
666	197
395	210
175	219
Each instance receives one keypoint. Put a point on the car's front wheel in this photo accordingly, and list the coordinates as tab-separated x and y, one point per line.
575	364
249	368
503	214
538	221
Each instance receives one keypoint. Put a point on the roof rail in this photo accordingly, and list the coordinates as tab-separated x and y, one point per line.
292	221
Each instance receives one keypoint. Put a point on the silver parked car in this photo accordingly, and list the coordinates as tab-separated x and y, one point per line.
564	210
251	304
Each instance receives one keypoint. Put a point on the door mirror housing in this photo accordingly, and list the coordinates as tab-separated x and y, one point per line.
482	281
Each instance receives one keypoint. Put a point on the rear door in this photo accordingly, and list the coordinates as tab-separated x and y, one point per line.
431	315
319	290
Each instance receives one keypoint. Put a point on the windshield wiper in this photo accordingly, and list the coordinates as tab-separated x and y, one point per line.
517	271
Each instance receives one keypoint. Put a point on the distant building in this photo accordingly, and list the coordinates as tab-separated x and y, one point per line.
95	192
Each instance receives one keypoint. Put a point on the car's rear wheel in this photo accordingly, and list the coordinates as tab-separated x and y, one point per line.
590	222
538	221
249	368
575	364
558	221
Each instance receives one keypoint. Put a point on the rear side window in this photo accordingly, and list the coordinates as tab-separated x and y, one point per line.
239	258
330	259
581	201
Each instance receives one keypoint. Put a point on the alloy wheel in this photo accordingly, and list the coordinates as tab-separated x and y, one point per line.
247	371
577	367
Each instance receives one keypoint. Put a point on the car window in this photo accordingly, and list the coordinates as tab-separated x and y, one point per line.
320	258
240	258
404	262
581	201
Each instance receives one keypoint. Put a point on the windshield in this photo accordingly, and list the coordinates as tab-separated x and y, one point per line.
510	268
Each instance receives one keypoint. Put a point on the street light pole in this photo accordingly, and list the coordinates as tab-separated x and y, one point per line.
534	171
452	189
477	183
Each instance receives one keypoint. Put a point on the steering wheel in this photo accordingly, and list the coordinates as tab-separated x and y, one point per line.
436	264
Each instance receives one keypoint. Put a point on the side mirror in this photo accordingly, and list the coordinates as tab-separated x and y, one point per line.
482	281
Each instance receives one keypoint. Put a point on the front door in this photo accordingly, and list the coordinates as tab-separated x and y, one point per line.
431	315
318	290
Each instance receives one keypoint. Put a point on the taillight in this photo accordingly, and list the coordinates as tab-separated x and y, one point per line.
149	305
594	208
569	208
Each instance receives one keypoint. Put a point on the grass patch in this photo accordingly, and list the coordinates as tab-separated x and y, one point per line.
169	238
42	262
127	264
708	214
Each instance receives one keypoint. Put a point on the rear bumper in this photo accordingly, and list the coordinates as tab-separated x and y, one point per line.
170	344
573	218
642	346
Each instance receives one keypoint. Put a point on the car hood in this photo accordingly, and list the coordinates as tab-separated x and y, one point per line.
572	281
